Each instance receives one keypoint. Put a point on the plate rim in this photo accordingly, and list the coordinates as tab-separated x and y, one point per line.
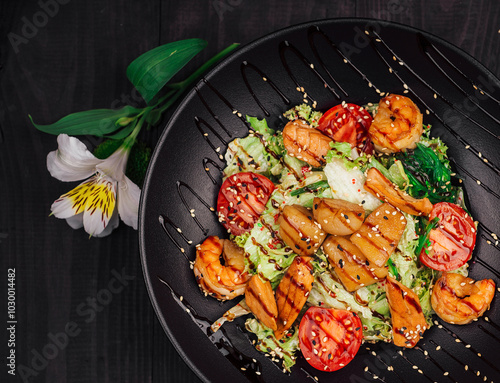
168	125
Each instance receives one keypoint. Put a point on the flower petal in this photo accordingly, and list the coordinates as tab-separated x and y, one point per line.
128	197
76	221
74	201
112	224
72	161
100	205
114	166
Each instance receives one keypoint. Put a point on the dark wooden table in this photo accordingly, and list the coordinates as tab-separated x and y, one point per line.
59	57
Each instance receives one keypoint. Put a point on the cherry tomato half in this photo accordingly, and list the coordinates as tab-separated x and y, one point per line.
452	242
348	123
329	338
241	200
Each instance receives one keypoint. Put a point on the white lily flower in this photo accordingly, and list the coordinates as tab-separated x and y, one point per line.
105	194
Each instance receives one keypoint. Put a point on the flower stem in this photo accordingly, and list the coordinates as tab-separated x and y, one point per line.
130	140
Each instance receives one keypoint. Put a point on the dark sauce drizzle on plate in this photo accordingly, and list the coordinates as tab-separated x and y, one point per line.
429	109
251	368
244	67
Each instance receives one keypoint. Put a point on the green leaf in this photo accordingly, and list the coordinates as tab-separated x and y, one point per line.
122	133
153	69
96	122
153	117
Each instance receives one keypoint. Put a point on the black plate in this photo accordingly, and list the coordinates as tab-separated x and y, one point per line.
332	60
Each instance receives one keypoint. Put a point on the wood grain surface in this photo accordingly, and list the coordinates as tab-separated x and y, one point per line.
75	59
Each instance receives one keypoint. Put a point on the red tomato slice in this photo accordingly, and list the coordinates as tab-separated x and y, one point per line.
348	123
452	242
242	199
329	339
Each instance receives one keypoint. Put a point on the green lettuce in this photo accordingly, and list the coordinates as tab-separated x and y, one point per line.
305	112
327	292
264	252
259	152
285	348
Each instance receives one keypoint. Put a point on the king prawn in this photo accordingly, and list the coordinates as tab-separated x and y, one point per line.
343	227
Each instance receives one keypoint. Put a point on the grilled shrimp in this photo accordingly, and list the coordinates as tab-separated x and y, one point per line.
306	143
397	124
221	281
459	300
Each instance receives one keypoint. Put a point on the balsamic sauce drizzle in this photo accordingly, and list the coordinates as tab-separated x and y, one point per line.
467	346
283	47
215	117
475	372
188	208
265	78
248	366
164	221
431	88
252	368
489	333
199	122
443	56
225	101
470	175
486	266
425	45
389	368
489	321
414	366
206	161
429	357
315	30
458	137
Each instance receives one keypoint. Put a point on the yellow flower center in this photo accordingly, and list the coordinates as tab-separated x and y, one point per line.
97	193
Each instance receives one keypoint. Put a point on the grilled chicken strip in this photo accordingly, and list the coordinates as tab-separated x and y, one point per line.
408	321
377	184
380	233
259	297
337	216
299	230
350	264
292	293
306	143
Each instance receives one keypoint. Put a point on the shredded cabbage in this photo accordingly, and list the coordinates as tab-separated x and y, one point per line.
327	292
285	348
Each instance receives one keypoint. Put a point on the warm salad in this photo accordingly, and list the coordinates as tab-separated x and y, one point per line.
343	227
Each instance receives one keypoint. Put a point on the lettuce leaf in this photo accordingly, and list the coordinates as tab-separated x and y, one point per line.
305	112
259	152
327	292
285	348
